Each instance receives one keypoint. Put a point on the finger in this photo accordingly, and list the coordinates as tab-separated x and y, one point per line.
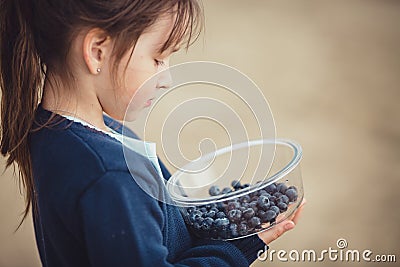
277	231
299	211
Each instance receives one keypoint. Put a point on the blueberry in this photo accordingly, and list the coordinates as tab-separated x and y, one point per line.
248	213
190	209
262	192
254	198
271	189
208	221
253	205
281	187
272	200
221	223
220	215
234	230
221	206
236	185
270	216
254	222
245	205
277	194
214	190
261	214
233	205
226	190
203	209
242	229
199	220
245	199
264	206
275	209
234	215
253	195
291	193
214	209
283	199
266	195
196	226
207	224
282	206
263	202
195	215
211	214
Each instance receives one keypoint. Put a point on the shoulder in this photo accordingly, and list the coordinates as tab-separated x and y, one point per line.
74	164
77	146
71	143
68	153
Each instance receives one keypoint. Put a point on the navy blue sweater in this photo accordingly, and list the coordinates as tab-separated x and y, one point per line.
91	212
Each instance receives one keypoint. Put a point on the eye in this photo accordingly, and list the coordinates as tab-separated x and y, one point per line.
159	62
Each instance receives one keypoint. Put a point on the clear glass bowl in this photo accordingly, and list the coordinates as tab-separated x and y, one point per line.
218	206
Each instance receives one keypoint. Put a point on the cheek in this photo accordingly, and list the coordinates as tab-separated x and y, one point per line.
137	73
138	79
138	89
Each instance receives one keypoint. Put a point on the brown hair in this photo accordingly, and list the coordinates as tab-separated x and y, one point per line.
35	38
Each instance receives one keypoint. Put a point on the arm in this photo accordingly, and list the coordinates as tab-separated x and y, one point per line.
122	226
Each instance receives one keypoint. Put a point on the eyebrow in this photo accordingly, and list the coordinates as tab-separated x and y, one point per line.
176	48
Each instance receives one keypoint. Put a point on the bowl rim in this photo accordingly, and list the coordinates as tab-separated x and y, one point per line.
291	165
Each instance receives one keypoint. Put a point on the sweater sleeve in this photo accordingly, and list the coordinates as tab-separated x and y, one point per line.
122	226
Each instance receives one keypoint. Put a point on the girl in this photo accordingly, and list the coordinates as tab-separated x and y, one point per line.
63	66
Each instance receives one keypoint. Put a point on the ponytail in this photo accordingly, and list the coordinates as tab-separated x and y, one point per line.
35	43
20	83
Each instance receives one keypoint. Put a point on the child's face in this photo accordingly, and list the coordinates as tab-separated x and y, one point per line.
144	63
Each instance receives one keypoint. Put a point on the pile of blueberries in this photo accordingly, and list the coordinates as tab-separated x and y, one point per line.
240	216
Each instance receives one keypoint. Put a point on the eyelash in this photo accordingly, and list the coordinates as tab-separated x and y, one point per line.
159	62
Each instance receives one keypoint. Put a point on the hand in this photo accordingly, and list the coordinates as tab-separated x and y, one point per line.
270	235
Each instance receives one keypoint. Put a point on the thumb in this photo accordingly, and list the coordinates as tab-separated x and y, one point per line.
274	233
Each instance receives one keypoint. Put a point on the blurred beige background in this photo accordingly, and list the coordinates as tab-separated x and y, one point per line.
331	73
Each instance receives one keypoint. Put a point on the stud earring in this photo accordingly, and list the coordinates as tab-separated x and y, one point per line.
98	70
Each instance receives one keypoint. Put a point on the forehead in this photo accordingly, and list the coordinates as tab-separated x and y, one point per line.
159	32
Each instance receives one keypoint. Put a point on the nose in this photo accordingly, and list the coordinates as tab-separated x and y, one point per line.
164	78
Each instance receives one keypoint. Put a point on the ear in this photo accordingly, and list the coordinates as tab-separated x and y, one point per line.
96	49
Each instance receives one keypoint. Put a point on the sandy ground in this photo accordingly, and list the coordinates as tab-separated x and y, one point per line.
331	73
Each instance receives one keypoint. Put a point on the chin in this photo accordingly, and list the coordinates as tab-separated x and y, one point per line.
119	116
130	116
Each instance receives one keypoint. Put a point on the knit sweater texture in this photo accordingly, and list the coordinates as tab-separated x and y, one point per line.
91	212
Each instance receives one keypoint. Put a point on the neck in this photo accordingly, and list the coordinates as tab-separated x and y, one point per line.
86	107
